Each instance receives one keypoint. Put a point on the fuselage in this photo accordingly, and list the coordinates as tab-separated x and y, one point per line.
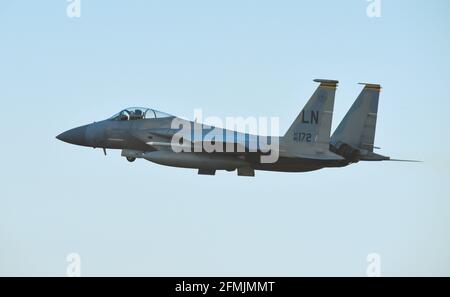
150	139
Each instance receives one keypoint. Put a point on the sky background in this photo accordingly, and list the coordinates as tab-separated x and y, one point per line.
229	58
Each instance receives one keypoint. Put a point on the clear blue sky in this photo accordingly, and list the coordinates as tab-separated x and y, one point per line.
230	58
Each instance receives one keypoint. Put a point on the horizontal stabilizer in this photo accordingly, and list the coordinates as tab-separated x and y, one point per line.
399	160
377	157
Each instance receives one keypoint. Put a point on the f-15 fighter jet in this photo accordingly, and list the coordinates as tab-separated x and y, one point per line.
144	133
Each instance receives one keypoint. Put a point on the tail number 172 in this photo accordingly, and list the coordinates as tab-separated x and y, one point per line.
302	137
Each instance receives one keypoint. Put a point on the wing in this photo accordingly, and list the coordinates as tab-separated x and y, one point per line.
203	138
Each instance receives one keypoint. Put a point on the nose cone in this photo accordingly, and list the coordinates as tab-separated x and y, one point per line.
75	136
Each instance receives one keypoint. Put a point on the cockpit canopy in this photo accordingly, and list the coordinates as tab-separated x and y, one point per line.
139	113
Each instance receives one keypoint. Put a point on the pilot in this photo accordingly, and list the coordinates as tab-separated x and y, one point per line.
138	113
123	116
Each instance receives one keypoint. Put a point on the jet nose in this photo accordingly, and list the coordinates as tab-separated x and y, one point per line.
74	136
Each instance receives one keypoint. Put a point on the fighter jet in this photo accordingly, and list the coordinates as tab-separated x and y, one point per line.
144	133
